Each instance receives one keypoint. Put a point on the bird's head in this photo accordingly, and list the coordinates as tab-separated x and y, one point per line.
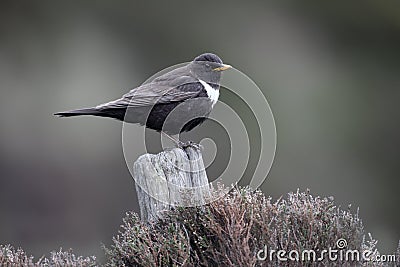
208	67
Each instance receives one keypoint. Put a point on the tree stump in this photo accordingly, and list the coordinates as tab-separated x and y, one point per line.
170	179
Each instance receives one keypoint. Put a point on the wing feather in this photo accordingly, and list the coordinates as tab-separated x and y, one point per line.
163	89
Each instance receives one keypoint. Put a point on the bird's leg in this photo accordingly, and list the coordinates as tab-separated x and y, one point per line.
181	144
176	141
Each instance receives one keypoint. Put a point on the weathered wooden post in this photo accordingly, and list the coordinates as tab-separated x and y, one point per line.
172	178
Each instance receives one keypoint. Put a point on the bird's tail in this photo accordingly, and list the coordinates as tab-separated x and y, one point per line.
78	112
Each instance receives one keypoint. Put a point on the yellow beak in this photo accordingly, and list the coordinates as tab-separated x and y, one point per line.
224	67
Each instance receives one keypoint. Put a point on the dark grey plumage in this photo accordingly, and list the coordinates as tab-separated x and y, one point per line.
175	102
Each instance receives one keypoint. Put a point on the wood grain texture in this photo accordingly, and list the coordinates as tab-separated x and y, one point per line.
172	178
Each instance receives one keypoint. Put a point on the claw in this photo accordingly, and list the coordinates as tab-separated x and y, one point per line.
183	145
187	144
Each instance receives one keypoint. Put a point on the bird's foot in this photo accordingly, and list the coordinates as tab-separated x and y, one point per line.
187	144
183	145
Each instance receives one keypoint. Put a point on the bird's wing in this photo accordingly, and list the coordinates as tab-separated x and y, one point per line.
173	89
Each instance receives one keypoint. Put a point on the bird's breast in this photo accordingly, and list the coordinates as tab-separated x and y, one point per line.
212	94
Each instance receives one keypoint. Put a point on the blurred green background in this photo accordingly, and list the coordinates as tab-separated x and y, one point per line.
329	71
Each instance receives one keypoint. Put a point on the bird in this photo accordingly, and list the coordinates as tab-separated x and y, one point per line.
172	103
